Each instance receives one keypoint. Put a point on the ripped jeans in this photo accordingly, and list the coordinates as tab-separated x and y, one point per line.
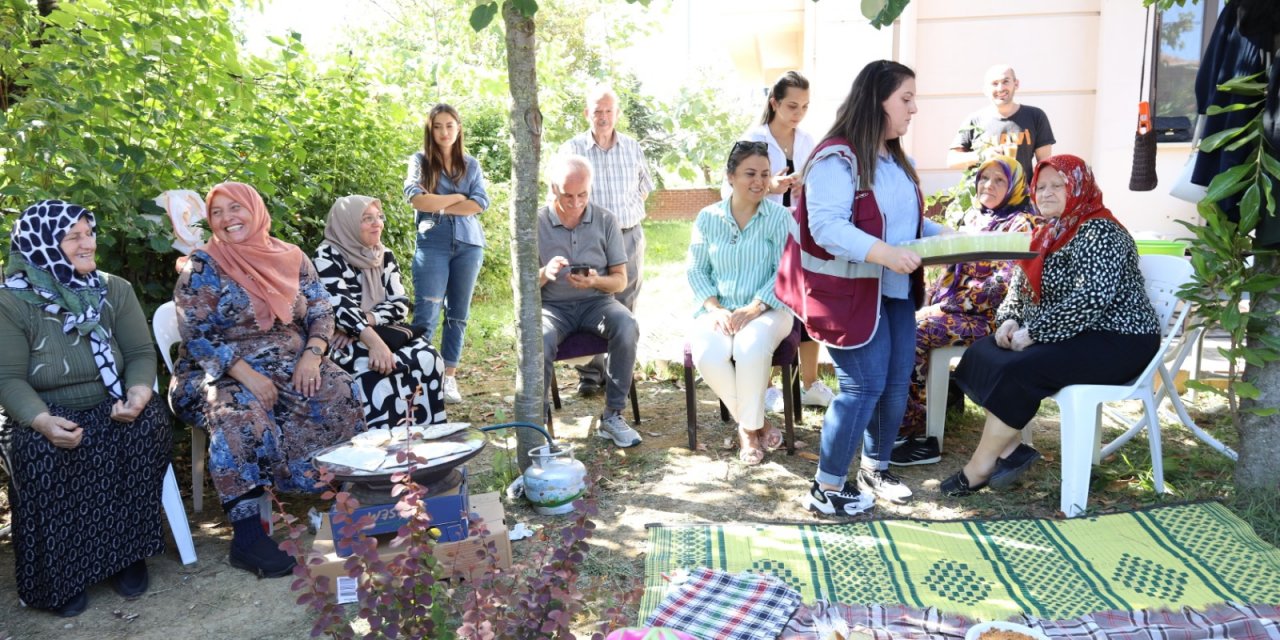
444	276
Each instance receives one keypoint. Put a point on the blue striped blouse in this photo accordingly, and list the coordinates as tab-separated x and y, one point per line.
736	266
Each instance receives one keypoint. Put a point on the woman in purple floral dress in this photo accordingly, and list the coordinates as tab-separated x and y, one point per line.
961	302
255	323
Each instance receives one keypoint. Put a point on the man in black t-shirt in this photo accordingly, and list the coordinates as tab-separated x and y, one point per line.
1004	128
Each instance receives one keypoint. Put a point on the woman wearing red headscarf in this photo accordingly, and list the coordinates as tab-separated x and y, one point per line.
1077	313
255	323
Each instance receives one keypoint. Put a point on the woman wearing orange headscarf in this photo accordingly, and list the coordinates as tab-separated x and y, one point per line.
255	323
1077	313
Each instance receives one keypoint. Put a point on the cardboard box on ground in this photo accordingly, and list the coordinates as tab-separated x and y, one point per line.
462	557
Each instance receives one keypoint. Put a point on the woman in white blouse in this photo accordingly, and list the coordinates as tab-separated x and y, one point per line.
789	149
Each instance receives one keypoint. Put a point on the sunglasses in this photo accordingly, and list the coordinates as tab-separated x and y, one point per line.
749	146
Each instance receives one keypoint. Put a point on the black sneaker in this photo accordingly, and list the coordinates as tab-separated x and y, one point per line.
845	502
913	451
1010	469
885	485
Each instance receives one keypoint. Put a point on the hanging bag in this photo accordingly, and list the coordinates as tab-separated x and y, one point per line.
1143	176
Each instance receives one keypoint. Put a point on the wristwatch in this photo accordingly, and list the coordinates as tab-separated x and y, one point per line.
316	350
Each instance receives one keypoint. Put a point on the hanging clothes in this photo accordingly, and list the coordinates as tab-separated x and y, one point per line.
1234	51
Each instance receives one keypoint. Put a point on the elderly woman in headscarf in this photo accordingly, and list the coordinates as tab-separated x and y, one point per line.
961	302
1076	313
88	441
395	367
255	324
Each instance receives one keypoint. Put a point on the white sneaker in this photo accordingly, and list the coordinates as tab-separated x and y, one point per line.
773	402
615	428
451	394
817	395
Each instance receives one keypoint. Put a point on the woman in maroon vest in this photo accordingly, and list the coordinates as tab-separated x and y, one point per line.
855	290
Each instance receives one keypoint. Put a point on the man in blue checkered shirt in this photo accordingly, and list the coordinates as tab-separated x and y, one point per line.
620	184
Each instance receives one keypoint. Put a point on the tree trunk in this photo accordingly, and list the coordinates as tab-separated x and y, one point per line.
526	129
1259	466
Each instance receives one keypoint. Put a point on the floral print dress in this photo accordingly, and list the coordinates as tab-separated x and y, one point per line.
251	445
419	371
960	306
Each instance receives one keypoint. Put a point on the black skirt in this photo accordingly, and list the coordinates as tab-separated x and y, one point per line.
81	515
1010	384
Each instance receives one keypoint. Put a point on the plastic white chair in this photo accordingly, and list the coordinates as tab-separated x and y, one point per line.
935	390
164	324
1081	404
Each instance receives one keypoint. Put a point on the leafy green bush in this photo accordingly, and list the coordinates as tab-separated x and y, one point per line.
121	102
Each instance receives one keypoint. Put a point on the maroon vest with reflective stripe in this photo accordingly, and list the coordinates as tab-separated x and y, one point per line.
838	301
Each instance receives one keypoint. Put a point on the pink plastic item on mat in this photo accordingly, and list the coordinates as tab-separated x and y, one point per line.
648	633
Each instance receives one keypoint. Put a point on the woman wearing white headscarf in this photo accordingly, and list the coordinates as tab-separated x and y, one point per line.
394	366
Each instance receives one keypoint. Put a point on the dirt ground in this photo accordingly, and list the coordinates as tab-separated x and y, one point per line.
659	481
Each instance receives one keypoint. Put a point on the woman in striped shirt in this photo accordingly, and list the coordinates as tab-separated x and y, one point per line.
733	262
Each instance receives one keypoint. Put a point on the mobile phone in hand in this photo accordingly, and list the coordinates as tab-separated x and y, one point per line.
580	269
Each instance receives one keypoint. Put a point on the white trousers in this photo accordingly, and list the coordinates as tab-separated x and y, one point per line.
737	367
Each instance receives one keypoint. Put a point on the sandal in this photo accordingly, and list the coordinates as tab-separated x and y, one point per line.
749	452
750	456
770	438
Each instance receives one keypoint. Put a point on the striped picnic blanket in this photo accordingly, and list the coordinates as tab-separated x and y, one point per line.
1190	555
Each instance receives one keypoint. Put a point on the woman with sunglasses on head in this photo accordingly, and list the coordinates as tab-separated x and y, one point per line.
733	264
446	187
857	291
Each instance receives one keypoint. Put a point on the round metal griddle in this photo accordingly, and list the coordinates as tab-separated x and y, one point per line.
438	475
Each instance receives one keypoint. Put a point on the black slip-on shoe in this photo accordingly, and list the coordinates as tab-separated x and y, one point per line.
1010	469
958	486
73	607
132	581
262	558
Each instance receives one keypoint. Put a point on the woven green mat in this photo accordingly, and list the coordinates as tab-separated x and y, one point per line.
1185	555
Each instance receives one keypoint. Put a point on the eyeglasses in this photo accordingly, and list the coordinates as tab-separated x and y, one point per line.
372	219
750	146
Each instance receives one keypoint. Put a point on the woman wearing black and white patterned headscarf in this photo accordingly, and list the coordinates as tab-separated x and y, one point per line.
85	491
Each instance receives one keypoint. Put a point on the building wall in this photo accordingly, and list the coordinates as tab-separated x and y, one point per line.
679	204
1079	60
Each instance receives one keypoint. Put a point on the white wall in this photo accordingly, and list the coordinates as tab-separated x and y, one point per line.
1079	60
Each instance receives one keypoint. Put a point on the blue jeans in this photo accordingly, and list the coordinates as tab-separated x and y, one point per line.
874	379
444	275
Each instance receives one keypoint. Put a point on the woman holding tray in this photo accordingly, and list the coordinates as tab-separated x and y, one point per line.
1077	313
854	289
395	367
255	323
962	300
